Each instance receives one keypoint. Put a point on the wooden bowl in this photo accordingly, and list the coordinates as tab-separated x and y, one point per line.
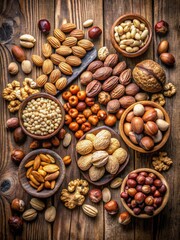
165	198
128	141
130	17
45	193
23	105
107	176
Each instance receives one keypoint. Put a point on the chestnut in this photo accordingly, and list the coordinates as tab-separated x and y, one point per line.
139	197
129	200
141	206
157	194
140	179
136	211
124	195
132	192
157	183
18	205
148	181
157	201
147	143
124	218
15	224
44	26
149	210
132	175
95	195
143	174
17	155
131	183
111	207
94	32
146	189
162	189
153	189
149	200
133	203
139	188
152	175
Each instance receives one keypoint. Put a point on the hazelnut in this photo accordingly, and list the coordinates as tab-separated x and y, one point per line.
148	181
132	192
95	195
137	125
139	197
119	113
124	218
111	207
149	210
18	205
157	201
17	155
149	200
163	47
19	135
146	189
79	134
110	120
162	189
13	68
161	27
132	137
147	143
81	106
150	128
12	123
113	106
157	194
93	119
130	116
15	224
157	183
149	115
95	108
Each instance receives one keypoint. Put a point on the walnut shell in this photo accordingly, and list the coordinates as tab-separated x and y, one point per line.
149	76
84	162
120	154
99	158
112	165
96	173
84	147
90	136
102	140
114	144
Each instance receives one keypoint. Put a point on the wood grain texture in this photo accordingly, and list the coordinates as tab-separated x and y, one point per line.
19	17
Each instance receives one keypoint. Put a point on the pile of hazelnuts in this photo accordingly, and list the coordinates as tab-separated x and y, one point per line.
143	192
82	112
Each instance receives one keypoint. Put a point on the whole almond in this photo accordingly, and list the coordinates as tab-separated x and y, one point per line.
47	66
37	162
18	53
78	51
125	77
37	60
93	66
127	101
67	27
163	47
64	50
50	88
93	88
119	68
106	195
70	41
73	61
117	92
102	73
55	75
111	60
54	42
86	44
52	176
56	58
65	68
110	83
46	50
61	83
41	80
59	35
77	33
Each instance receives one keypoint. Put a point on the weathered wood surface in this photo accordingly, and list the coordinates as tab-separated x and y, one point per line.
18	17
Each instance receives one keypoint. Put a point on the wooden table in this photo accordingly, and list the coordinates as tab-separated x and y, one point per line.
21	17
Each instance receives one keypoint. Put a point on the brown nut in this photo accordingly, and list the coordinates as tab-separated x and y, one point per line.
89	101
126	101
150	128
137	125
13	68
150	115
18	205
124	218
125	77
104	98
113	106
111	60
101	115
17	155
61	134
93	88
111	207
19	135
167	58
93	119
12	123
146	143
117	92
163	47
15	224
110	120
132	89
102	73
95	65
119	113
81	106
67	160
95	108
94	32
95	195
86	77
110	83
141	96
18	53
119	68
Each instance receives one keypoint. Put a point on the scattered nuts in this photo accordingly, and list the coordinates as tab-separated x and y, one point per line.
94	32
124	218
161	162
26	66
12	123
17	155
111	207
18	53
103	53
169	89
167	58
27	41
161	27
88	23
67	140
163	47
19	135
30	214
89	210
67	160
15	224
95	195
116	183
37	204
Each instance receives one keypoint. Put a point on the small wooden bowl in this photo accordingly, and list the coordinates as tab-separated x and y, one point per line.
130	17
107	176
23	105
165	198
128	141
45	193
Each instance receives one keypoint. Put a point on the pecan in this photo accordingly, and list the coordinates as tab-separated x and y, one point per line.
95	65
125	77
93	88
110	83
118	91
102	73
111	60
119	68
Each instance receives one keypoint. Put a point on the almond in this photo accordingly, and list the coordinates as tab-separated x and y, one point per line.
70	41
41	80
56	58
65	68
37	176
78	51
51	168
61	83
54	42
73	61
102	73
44	158
68	27
50	88
47	66
37	60
77	33
46	50
18	53
52	176
55	75
86	44
37	162
64	50
59	35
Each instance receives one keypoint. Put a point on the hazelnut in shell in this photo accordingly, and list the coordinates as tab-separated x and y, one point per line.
111	207
13	68
151	128
95	195
18	205
124	218
137	125
147	143
17	155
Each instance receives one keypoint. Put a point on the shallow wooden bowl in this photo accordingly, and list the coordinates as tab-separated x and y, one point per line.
107	176
165	198
130	17
23	105
45	193
128	141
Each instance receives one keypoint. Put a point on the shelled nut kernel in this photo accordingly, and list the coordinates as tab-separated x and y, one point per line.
41	116
131	35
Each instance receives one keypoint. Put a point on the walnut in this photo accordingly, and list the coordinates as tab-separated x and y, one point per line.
169	90
30	82
161	162
158	98
14	106
8	92
74	195
104	98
